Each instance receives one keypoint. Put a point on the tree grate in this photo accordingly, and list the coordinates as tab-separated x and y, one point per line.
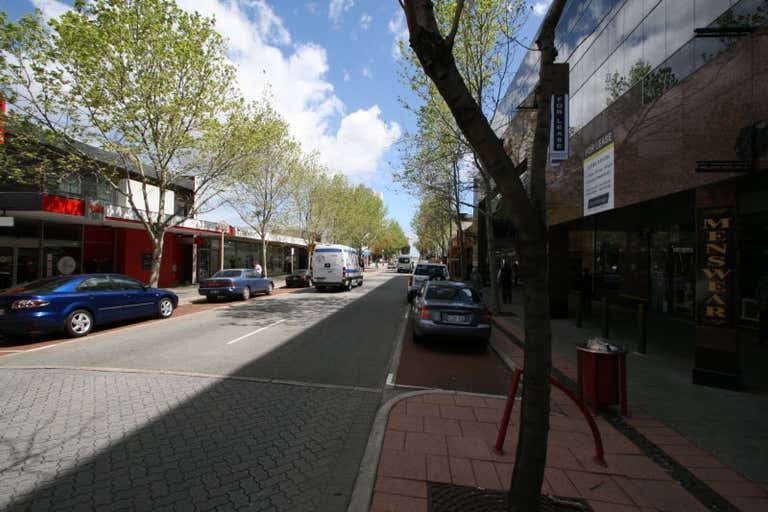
458	498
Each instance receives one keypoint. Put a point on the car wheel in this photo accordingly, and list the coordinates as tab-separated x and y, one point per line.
270	288
360	283
246	293
165	308
349	285
79	323
211	298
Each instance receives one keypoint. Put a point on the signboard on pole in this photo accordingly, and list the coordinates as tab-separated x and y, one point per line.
599	175
558	128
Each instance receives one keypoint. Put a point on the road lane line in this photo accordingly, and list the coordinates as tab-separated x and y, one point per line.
40	348
255	332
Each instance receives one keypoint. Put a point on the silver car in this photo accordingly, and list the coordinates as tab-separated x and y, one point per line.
450	309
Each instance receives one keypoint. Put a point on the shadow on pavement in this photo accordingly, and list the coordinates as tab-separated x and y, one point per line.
163	442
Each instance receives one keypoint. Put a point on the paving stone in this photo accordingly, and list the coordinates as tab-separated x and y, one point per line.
148	442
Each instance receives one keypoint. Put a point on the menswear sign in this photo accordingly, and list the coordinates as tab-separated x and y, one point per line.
714	287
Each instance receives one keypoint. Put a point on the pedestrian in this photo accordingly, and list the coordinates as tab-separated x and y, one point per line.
258	269
585	287
505	282
516	270
761	296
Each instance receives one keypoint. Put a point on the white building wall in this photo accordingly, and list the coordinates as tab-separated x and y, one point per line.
134	188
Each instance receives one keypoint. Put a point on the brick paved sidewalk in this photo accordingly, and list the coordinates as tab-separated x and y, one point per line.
442	437
725	482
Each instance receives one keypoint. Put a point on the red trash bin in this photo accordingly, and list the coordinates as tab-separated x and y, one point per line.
602	377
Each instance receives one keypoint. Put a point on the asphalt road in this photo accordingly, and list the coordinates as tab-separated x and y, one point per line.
263	406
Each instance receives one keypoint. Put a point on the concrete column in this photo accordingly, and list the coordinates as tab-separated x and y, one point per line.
717	361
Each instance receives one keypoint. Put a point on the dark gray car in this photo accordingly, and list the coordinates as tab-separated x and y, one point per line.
452	310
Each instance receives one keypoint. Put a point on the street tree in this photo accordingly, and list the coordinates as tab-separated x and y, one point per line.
390	240
358	217
434	46
484	45
259	187
145	82
432	228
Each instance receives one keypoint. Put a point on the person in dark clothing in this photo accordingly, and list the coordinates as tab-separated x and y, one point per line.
762	302
516	270
585	287
505	282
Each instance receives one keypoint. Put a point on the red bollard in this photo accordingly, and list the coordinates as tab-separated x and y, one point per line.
499	447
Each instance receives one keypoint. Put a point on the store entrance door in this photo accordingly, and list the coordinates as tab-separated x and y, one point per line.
28	264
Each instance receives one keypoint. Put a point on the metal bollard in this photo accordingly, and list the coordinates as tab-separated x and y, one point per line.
606	333
579	310
642	324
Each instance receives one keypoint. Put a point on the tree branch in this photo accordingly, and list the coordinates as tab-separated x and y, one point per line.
455	25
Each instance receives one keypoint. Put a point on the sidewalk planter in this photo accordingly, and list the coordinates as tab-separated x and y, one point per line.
602	377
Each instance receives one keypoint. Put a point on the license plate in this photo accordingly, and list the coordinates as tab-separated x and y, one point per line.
456	319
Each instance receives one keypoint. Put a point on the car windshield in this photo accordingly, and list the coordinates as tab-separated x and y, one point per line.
46	285
429	270
228	273
404	260
452	293
300	273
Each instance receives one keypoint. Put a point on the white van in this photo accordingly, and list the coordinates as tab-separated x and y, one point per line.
404	264
335	266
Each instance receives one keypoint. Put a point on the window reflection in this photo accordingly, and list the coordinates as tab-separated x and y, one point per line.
706	11
654	39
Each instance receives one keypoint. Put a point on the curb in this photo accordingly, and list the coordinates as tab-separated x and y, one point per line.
362	493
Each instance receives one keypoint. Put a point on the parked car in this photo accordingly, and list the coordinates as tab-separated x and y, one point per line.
391	265
77	303
335	266
425	272
450	309
235	282
299	279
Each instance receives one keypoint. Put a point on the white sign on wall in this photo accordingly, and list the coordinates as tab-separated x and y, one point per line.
599	175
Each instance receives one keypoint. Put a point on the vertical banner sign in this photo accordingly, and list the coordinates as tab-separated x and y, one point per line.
598	175
558	128
2	118
714	287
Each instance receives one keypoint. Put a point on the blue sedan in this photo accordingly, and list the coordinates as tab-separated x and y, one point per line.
77	303
235	282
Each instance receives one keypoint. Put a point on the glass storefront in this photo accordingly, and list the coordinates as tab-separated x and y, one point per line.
241	254
33	249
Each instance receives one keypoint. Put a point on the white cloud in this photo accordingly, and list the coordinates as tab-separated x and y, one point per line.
51	8
399	29
367	73
311	7
540	8
347	78
360	133
337	8
297	77
365	21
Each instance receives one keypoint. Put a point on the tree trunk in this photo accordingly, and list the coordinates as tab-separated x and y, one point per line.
158	241
264	256
460	233
490	247
436	57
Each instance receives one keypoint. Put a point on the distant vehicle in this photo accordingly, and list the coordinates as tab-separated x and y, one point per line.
76	303
335	266
298	279
450	309
426	272
391	265
404	264
242	283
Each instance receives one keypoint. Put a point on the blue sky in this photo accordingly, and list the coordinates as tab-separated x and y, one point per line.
331	66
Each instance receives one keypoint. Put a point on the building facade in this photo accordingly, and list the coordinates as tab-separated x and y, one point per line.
77	225
662	195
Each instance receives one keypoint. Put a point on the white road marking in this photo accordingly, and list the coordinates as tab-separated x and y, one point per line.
41	348
255	332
